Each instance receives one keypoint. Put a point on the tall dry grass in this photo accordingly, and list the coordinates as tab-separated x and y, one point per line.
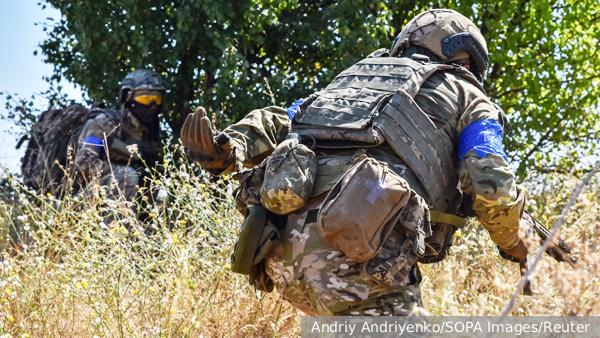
66	273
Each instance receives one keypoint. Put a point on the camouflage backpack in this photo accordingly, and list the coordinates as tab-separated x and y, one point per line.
48	149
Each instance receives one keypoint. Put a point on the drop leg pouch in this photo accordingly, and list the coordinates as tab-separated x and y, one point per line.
258	235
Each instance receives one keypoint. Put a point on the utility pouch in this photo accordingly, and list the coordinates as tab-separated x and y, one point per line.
361	210
248	191
258	235
290	173
406	244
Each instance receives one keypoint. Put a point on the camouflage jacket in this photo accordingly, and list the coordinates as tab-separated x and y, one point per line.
118	133
452	103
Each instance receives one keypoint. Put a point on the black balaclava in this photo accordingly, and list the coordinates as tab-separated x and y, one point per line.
148	116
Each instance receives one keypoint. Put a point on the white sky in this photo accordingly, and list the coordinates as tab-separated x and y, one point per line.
21	72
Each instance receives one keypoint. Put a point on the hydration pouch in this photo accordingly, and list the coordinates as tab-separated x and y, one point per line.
361	210
290	173
258	235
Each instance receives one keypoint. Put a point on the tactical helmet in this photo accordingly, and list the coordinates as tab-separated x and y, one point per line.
448	34
141	79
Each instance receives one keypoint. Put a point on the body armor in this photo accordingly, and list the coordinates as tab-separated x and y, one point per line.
371	103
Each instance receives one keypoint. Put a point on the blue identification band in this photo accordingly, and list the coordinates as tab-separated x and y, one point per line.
484	137
93	140
293	109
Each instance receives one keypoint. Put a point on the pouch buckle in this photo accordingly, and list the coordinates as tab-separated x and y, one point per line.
419	244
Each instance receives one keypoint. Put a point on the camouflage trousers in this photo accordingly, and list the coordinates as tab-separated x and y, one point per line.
320	280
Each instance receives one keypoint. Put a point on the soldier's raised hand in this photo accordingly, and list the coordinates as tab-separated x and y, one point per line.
201	145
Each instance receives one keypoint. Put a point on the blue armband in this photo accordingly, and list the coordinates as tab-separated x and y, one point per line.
484	137
293	109
94	141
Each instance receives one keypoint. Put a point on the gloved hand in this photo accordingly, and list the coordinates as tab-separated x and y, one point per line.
516	254
201	146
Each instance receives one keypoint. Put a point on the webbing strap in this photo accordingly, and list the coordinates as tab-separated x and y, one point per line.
440	217
328	170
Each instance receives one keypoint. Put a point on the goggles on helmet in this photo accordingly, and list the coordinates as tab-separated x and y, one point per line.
147	99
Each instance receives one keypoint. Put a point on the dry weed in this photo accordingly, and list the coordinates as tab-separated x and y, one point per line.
70	274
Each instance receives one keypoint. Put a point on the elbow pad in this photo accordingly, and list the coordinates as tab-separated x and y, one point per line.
484	137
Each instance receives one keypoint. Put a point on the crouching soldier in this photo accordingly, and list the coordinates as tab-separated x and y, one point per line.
130	137
107	147
369	177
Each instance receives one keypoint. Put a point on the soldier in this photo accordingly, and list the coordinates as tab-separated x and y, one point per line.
137	125
421	109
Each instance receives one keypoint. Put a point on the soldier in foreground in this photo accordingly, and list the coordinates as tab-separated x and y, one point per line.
99	140
366	184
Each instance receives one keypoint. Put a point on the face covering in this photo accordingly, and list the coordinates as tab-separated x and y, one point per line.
147	114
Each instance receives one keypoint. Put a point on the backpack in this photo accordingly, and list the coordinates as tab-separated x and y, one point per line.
51	144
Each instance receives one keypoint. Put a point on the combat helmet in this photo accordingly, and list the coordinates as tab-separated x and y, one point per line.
447	34
141	79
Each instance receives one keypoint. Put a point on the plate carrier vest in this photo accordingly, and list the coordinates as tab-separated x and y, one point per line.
372	102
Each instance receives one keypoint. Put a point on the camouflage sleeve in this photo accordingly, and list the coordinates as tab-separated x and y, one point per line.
87	161
257	135
497	199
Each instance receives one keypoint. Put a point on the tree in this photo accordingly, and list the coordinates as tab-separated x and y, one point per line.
229	55
222	55
544	72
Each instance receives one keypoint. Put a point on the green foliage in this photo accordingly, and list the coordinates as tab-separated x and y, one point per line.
216	53
545	74
543	68
22	112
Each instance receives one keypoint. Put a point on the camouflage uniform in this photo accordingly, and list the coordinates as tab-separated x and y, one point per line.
320	280
378	104
108	160
120	170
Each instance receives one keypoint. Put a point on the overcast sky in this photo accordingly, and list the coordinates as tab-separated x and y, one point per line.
21	72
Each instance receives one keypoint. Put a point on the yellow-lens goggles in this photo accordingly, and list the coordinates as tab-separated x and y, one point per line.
147	99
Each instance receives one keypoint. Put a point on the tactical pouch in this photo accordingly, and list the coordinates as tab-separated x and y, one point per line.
393	263
248	191
258	235
361	210
289	176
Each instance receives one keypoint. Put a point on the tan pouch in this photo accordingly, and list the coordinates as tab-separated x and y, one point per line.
361	210
289	176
